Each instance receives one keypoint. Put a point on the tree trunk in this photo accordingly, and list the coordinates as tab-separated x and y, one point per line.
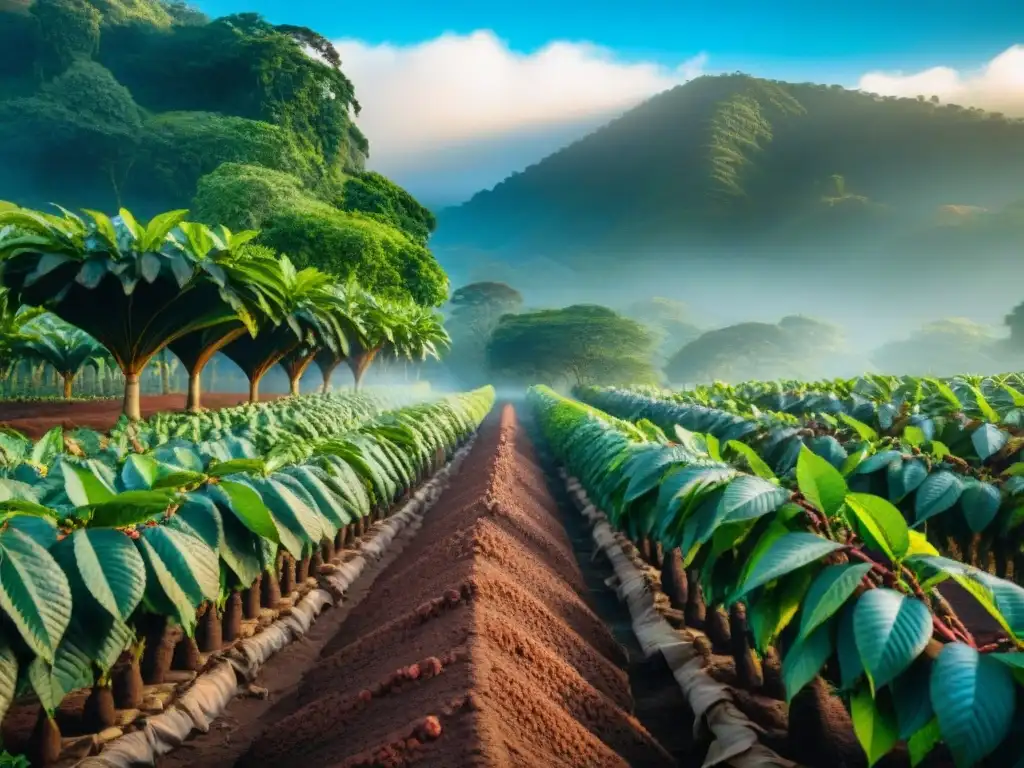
360	364
165	373
254	389
69	379
195	391
327	373
132	401
293	385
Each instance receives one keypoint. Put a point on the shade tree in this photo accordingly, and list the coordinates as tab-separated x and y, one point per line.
155	283
66	348
579	344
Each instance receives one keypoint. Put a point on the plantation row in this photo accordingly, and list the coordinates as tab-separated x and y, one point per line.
103	549
965	495
829	577
195	290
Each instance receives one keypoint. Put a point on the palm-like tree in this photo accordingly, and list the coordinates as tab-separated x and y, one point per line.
264	276
66	348
13	319
397	329
133	288
312	317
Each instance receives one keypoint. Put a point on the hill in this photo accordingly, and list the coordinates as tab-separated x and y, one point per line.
734	160
150	105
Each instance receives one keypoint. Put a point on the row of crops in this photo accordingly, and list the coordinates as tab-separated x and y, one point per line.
830	537
92	292
107	541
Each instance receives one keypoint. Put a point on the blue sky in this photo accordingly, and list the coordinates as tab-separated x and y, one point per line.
532	67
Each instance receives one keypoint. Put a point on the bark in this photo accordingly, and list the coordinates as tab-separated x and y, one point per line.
748	668
99	713
45	745
69	380
326	372
231	626
195	392
254	388
126	680
360	364
132	407
673	579
696	610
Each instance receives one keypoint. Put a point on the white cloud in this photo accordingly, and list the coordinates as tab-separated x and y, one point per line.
998	86
466	88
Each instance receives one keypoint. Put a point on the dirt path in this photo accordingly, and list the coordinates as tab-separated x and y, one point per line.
34	419
475	646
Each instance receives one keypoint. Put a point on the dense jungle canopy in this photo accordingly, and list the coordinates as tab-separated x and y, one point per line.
151	105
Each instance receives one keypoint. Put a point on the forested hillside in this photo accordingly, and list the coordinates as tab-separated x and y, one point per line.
153	106
730	160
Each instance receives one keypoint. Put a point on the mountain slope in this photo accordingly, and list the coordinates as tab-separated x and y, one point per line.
733	159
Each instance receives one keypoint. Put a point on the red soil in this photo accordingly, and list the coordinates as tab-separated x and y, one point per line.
473	648
34	419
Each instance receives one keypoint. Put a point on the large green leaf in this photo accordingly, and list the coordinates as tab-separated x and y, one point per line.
185	568
748	497
131	508
881	522
875	727
34	592
246	504
755	462
938	493
805	658
8	675
820	483
891	630
786	554
139	472
109	566
828	593
980	503
974	699
83	487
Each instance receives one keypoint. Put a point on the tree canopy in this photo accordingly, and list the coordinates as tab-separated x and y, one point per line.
148	104
580	344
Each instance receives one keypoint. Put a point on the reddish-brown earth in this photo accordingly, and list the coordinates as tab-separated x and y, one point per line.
34	419
474	647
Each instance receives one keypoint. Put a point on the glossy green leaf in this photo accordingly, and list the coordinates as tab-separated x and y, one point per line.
109	566
805	658
786	554
974	700
748	497
881	522
828	593
34	592
875	727
820	483
891	631
938	493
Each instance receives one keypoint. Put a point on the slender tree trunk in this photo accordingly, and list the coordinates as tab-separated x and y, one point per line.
327	373
165	373
360	364
132	400
293	385
195	391
69	379
254	388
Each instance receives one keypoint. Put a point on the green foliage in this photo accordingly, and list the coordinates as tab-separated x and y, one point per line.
165	531
143	101
313	233
179	148
836	575
369	192
68	30
580	344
